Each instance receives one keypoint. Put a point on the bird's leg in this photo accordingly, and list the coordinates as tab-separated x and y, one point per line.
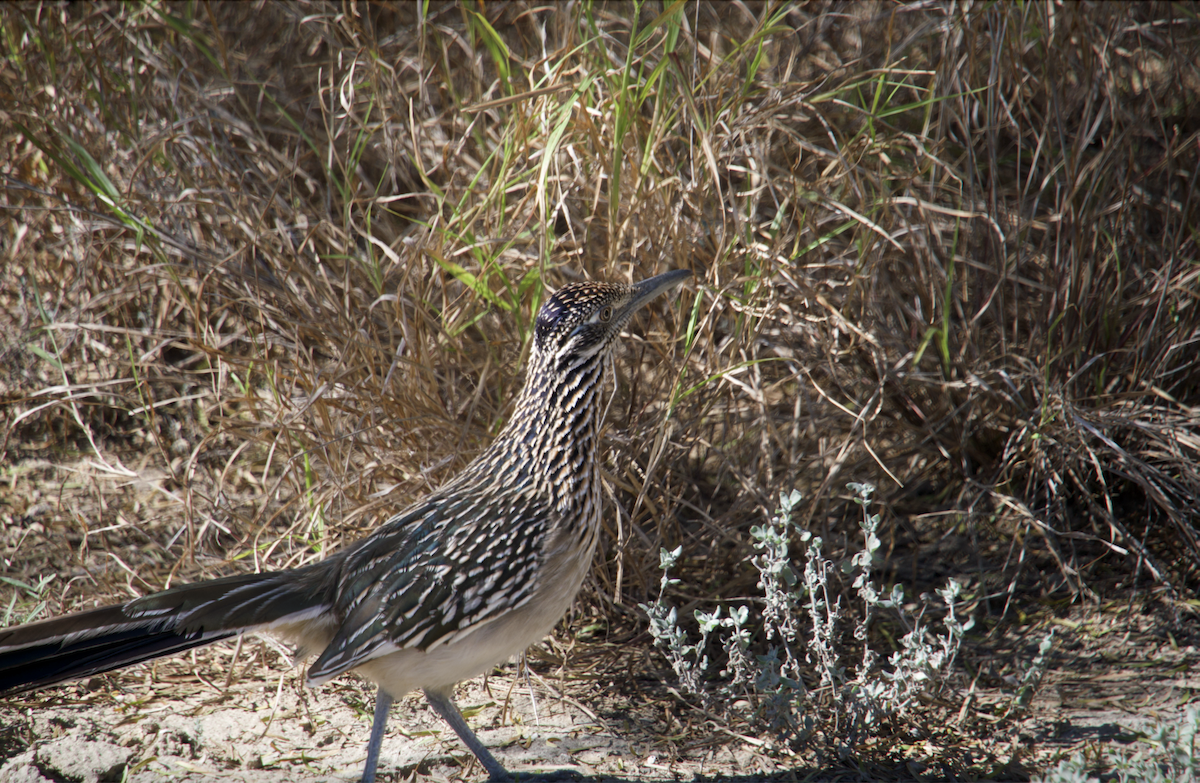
383	704
444	706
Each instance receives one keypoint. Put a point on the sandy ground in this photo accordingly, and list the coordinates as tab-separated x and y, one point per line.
1112	677
267	726
259	731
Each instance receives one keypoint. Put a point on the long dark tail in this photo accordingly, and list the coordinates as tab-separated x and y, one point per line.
49	652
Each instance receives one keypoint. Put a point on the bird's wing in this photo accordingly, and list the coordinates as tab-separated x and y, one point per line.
434	574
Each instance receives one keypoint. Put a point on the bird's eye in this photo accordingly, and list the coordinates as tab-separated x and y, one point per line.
606	314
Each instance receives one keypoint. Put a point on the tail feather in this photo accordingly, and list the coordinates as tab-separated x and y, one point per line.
42	664
100	640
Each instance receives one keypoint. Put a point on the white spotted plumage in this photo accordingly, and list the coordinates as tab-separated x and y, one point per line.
478	549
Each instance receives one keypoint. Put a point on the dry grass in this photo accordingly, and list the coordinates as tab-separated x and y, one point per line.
268	272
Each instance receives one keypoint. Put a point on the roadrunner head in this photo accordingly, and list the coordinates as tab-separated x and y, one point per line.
582	320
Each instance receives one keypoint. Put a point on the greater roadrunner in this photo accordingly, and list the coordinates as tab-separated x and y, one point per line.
459	582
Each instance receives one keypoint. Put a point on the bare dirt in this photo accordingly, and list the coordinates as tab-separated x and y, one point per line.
183	721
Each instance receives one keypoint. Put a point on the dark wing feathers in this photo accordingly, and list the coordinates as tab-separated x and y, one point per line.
437	571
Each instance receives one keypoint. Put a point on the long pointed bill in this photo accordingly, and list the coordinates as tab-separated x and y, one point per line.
650	288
